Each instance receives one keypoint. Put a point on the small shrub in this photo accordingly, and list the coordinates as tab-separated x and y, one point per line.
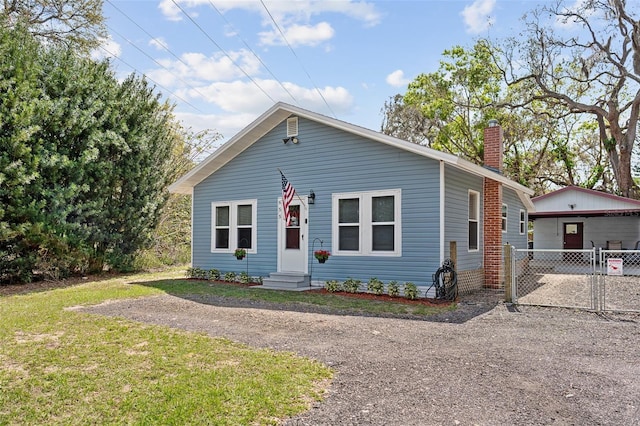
375	286
230	277
197	273
410	291
332	286
214	274
256	280
393	289
351	285
244	278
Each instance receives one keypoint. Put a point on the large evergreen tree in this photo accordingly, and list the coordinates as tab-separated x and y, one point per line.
84	161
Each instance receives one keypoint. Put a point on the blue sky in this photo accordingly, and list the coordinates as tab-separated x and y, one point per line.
223	63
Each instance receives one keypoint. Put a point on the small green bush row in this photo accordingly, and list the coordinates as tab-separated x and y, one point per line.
374	285
216	275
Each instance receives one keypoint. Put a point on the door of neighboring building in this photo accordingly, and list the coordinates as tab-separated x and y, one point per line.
292	238
572	239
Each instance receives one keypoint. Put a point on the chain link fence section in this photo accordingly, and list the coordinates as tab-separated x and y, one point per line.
560	278
619	280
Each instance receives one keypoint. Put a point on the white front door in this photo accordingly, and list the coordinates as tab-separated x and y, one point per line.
292	238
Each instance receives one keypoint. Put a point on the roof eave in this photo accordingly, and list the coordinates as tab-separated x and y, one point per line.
280	111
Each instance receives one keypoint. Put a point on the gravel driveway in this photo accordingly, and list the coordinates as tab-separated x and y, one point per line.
525	365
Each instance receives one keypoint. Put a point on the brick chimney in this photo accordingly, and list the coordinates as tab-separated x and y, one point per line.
492	204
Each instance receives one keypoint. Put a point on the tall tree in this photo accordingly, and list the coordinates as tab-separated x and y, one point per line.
585	58
447	109
84	164
20	110
544	145
75	23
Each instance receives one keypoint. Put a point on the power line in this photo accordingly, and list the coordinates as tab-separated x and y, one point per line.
156	62
296	56
223	51
252	51
147	33
150	79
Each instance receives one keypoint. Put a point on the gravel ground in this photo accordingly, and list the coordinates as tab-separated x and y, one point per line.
487	363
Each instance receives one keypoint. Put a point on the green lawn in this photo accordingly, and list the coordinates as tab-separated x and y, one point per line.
183	287
58	366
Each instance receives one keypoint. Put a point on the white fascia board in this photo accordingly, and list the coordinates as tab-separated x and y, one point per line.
280	111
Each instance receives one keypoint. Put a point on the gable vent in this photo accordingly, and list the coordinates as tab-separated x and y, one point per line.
292	127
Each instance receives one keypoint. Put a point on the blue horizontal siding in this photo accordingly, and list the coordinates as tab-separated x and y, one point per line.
328	161
457	186
513	236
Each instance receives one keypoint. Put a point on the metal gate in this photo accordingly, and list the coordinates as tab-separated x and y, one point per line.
619	280
562	278
601	280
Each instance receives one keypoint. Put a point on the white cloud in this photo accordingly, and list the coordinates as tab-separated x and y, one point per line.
225	124
198	68
287	12
109	48
292	16
159	43
245	96
397	79
242	102
298	35
173	12
477	16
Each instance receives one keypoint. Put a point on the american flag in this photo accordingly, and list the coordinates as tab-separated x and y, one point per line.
287	196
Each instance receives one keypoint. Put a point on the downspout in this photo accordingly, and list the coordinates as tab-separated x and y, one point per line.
442	212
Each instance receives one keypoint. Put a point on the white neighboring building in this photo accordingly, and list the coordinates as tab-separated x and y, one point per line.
579	218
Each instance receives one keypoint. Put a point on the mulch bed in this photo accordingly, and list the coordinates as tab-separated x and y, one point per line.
234	283
385	298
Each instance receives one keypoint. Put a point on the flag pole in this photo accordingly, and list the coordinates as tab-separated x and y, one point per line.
294	190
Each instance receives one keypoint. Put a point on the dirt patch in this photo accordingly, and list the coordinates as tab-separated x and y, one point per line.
37	286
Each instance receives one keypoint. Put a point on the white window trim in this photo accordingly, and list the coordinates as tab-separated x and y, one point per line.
504	222
523	222
476	220
233	225
366	223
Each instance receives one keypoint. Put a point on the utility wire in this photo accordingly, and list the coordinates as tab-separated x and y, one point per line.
156	62
296	56
223	51
150	79
252	51
147	33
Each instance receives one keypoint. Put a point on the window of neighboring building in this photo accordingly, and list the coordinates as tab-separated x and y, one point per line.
234	226
474	216
367	223
505	210
523	222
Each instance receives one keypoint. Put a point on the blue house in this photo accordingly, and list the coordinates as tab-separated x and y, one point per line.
383	207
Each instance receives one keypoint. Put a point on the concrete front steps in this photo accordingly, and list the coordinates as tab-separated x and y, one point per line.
296	281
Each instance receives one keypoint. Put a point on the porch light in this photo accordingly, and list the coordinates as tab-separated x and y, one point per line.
312	197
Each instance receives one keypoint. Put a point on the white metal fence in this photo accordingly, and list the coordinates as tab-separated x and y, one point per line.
619	280
601	280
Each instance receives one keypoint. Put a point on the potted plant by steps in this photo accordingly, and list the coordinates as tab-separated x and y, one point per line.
240	253
321	255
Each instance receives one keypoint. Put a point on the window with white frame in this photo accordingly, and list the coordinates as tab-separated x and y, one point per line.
523	222
367	223
233	226
474	216
505	210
